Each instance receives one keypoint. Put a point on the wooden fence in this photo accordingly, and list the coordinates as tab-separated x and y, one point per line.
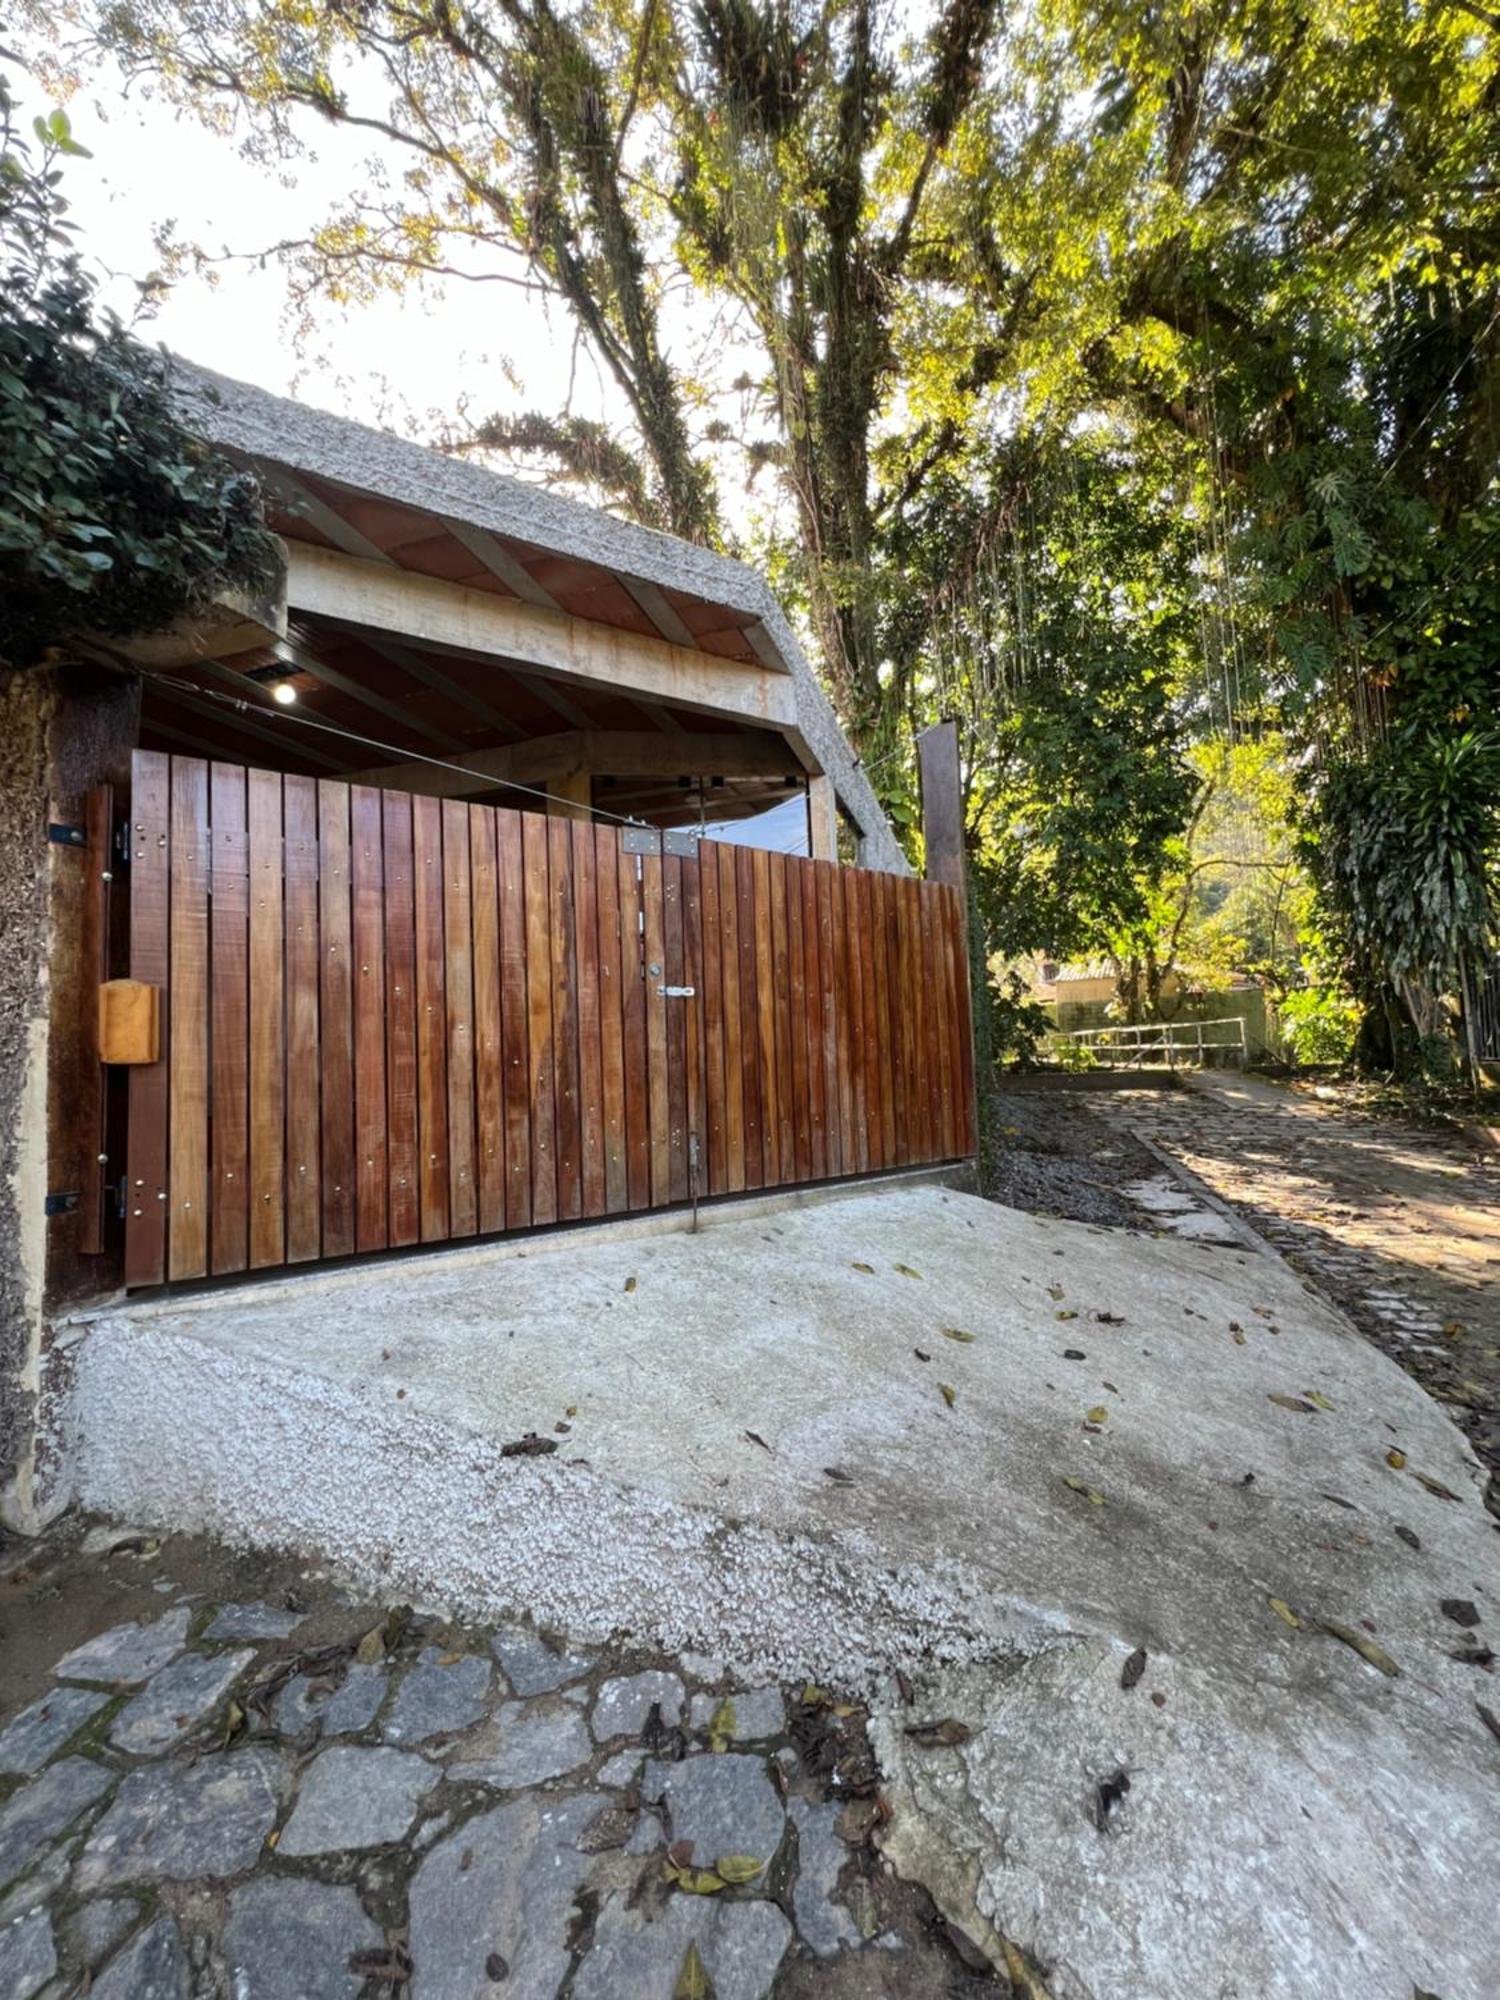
389	1020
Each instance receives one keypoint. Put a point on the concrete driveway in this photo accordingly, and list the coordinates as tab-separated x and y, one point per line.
908	1429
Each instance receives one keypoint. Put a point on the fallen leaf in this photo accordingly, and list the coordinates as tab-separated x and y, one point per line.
1098	1415
496	1966
907	1692
571	1410
814	1696
1462	1610
630	1284
906	1271
1133	1668
756	1438
721	1727
1239	1340
944	1735
1435	1486
950	1394
449	1659
530	1446
1074	1354
695	1881
957	1333
1285	1612
1366	1648
1108	1795
1321	1401
1066	1313
1488	1717
921	1356
737	1868
371	1647
1292	1403
1409	1536
1110	1319
1056	1292
1396	1460
1090	1493
838	1475
273	1836
868	1269
1453	1329
692	1980
680	1854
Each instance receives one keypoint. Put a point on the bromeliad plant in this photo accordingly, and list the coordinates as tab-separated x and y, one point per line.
113	518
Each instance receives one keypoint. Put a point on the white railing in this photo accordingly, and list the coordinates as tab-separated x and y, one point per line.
1185	1042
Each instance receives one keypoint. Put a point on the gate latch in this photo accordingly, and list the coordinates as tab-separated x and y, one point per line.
676	992
63	1204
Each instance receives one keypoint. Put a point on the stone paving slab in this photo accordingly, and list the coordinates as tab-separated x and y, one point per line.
305	1703
39	1732
535	1745
533	1667
183	1821
351	1797
287	1937
44	1807
153	1966
439	1697
28	1957
128	1654
175	1700
252	1621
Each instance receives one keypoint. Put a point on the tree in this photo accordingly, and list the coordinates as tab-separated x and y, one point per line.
113	520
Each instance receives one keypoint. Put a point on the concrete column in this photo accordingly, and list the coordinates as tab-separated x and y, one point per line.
823	819
571	796
942	804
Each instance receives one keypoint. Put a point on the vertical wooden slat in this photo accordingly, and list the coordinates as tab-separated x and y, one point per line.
676	1024
750	1065
765	1015
653	901
706	1020
963	1029
367	888
94	965
229	969
781	969
539	1021
858	1053
458	989
848	1138
432	1019
734	1066
906	1020
944	1012
187	1120
828	985
880	937
812	1027
796	981
400	1020
267	991
563	940
631	875
336	1027
612	960
489	1061
870	1039
590	1053
514	1019
150	902
305	976
922	1090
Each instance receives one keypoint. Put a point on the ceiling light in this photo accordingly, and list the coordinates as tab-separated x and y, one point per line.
284	692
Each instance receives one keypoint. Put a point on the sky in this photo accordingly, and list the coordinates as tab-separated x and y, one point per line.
407	363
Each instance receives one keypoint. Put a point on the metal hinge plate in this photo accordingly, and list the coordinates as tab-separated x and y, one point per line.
67	836
678	842
63	1204
640	840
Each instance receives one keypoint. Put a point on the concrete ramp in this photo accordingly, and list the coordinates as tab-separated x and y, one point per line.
909	1428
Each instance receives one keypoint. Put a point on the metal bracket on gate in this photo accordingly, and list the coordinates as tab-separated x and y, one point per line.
676	841
640	840
63	1204
676	992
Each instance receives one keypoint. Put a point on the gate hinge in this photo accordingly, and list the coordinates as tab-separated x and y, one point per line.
63	1204
67	836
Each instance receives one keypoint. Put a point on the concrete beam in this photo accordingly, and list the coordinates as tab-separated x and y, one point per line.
428	611
823	819
601	752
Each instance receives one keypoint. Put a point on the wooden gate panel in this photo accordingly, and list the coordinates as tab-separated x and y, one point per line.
432	1019
187	1149
229	973
307	1050
389	1019
403	1210
458	995
367	974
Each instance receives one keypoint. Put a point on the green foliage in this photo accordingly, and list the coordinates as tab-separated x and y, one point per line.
1018	1025
112	519
1319	1024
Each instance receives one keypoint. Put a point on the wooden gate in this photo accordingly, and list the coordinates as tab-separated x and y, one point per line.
388	1019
